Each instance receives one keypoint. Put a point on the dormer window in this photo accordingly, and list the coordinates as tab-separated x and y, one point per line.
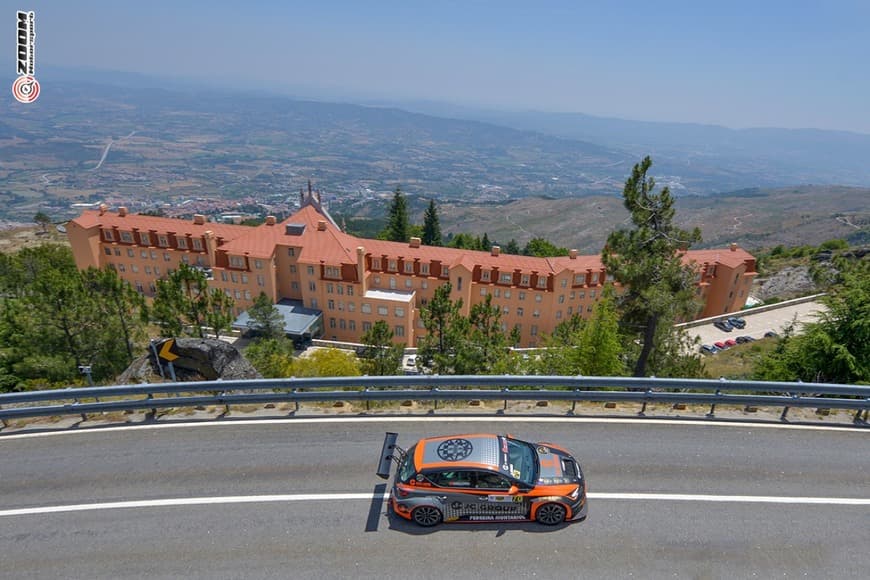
197	244
109	235
144	238
182	243
127	237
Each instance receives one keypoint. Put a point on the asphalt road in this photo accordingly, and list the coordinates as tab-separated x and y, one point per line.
301	537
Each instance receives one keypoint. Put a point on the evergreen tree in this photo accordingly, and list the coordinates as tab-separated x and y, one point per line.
381	357
264	318
121	303
600	349
543	248
219	311
446	330
485	244
512	247
272	357
398	225
486	348
431	226
42	219
647	261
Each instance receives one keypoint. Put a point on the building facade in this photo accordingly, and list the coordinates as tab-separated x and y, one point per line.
355	282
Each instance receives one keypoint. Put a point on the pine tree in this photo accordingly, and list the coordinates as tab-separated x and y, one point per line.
398	225
265	320
647	260
431	226
381	357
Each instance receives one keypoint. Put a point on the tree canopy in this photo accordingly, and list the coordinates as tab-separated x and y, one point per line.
398	224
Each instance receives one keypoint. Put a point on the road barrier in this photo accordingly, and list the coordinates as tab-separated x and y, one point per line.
434	388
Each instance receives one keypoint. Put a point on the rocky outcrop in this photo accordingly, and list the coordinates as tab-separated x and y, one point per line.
199	359
787	283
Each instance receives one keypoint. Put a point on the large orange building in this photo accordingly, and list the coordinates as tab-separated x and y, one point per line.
352	282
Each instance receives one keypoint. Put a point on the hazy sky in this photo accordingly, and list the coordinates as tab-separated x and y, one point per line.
797	63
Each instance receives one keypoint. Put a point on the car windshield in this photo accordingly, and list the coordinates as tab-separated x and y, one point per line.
523	461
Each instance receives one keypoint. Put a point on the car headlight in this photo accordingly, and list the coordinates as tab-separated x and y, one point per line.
575	494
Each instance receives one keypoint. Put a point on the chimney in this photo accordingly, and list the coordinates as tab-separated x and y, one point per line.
415	242
572	254
361	268
270	220
321	225
733	246
495	250
122	211
198	219
103	208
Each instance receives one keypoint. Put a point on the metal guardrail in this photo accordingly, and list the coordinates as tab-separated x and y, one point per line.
76	401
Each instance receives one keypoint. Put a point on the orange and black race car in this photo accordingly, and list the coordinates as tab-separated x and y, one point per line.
483	477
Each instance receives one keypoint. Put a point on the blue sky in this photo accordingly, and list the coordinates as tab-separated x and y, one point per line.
765	63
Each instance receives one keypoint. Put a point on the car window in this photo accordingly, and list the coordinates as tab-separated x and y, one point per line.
452	478
487	480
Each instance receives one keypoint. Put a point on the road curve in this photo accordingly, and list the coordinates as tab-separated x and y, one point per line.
311	534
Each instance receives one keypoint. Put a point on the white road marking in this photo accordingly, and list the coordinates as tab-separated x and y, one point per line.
429	419
304	497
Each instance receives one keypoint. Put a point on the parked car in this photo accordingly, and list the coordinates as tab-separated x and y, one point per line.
744	339
730	342
723	325
771	334
483	478
708	349
720	345
736	322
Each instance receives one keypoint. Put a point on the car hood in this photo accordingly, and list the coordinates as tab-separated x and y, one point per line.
557	466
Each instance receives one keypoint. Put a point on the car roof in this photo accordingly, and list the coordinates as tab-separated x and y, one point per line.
473	450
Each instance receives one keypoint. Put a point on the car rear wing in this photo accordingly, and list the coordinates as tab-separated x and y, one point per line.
388	455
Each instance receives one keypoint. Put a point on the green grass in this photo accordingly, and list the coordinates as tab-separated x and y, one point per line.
738	362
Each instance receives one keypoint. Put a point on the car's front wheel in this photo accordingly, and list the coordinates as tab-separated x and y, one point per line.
551	514
426	516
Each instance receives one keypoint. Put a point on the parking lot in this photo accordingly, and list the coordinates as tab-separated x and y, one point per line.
758	323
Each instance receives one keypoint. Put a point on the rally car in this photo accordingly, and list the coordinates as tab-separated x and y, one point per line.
483	478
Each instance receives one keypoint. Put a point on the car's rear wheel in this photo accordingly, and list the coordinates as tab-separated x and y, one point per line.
426	516
551	514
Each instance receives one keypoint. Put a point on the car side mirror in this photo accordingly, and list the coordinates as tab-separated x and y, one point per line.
513	490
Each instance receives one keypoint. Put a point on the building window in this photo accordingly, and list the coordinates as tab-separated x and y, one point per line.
392	265
130	252
484	275
332	272
424	284
445	271
351	324
134	268
311	270
162	240
330	304
581	295
224	275
399	331
505	310
117	251
153	255
234	277
312	286
294	285
109	235
561	298
340	306
244	278
564	282
507	293
144	238
408	283
342	323
197	244
459	283
520	311
185	258
237	262
424	269
291	252
107	250
144	254
392	283
376	263
156	271
332	323
538	297
247	294
409	267
594	278
367	326
351	306
542	282
533	331
292	268
496	292
329	288
122	268
382	310
314	303
483	291
592	294
522	296
258	264
377	280
506	278
536	313
261	281
366	308
182	243
148	270
399	312
579	279
570	310
524	280
127	237
166	257
139	286
558	314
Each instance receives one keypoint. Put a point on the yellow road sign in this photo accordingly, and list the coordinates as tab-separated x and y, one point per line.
166	351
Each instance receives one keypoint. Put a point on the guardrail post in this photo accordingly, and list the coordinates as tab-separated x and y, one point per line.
712	412
783	417
296	401
434	399
153	411
82	415
574	402
504	406
368	402
642	412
